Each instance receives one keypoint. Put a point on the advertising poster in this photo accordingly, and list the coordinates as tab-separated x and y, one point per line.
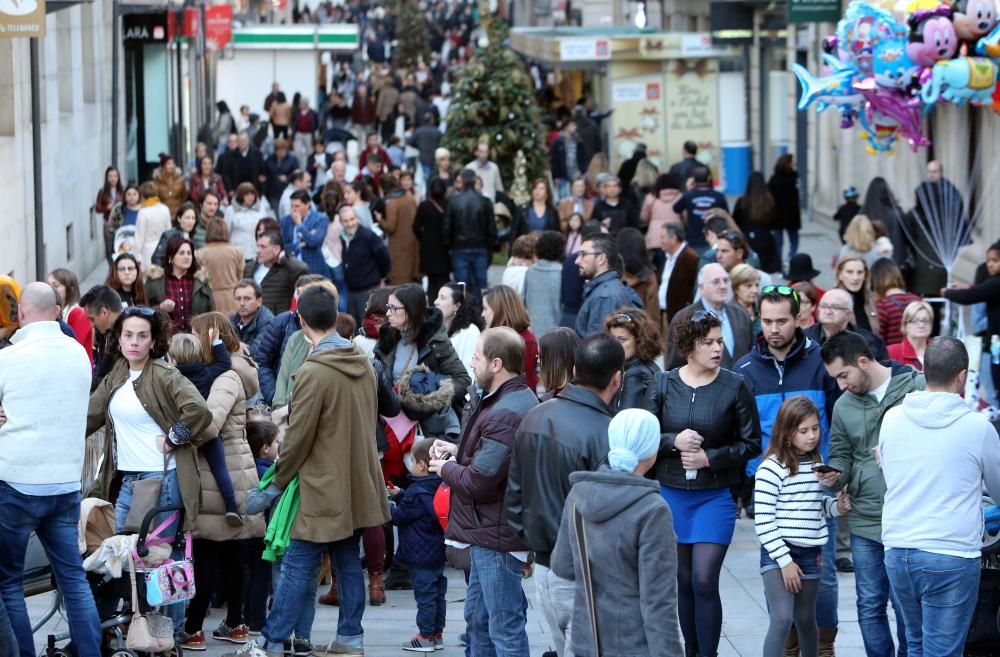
692	109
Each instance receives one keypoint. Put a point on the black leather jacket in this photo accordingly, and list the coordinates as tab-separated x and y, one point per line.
469	222
723	412
565	434
639	376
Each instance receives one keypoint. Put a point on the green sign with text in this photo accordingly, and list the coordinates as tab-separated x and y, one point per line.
813	11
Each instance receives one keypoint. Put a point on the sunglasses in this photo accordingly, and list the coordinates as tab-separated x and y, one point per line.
783	290
140	311
702	315
622	318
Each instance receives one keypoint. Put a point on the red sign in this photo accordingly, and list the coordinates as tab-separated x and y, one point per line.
192	22
652	91
218	26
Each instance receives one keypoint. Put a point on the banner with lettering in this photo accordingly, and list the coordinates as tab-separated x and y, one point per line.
692	109
22	18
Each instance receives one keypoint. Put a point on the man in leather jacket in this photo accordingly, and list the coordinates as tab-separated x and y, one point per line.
470	233
565	434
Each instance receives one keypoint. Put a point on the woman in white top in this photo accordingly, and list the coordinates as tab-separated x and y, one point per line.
358	196
151	222
242	216
463	321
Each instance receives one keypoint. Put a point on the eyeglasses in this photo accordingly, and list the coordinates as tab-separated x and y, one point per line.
920	321
390	309
582	254
783	290
124	270
141	311
826	306
702	315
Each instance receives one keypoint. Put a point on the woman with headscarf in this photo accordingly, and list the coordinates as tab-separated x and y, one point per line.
628	528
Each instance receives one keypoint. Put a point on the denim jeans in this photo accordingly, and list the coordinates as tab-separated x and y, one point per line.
469	266
430	587
304	619
258	587
937	595
826	600
793	241
555	596
340	282
495	606
874	593
170	495
299	568
54	520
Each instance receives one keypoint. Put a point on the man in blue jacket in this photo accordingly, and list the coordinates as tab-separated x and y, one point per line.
604	291
303	231
785	363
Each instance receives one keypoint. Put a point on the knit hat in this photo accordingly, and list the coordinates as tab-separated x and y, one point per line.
633	436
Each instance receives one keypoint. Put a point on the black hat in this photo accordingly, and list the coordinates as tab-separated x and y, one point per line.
800	268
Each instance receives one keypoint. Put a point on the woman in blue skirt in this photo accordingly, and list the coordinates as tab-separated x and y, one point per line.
709	429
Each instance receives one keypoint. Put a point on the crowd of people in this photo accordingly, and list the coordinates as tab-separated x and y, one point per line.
298	342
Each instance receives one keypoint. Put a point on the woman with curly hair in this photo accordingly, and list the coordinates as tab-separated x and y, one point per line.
640	337
709	429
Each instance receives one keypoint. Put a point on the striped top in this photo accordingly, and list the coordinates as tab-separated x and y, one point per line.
890	316
789	509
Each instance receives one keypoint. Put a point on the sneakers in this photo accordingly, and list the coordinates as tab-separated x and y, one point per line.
193	642
337	648
238	634
439	641
253	649
234	519
420	643
299	647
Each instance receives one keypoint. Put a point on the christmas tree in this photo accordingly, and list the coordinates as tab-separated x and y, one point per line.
492	101
411	34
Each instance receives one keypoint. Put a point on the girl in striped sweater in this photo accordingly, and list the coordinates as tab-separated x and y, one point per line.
790	520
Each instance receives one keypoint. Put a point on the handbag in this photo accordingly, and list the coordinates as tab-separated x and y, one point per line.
172	582
583	555
150	632
145	498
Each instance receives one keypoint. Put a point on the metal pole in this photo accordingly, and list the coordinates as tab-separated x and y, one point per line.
36	160
115	96
179	143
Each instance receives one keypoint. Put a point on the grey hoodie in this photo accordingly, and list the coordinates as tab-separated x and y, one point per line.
633	557
936	455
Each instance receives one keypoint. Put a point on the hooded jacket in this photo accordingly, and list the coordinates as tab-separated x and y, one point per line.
629	531
854	431
268	348
421	539
478	475
330	445
555	439
771	382
933	498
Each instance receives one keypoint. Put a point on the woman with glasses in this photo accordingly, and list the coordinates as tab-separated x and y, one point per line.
639	336
709	430
916	324
148	407
893	299
125	280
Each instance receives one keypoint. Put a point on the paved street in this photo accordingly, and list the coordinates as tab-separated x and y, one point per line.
388	626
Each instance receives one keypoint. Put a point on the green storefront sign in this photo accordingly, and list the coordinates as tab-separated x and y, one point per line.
813	11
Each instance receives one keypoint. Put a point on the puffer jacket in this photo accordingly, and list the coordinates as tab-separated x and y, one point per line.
468	222
478	475
854	432
566	434
434	350
171	189
639	376
725	415
243	225
227	402
421	539
269	347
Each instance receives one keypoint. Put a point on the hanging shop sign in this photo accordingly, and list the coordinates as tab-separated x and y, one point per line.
813	11
218	26
22	18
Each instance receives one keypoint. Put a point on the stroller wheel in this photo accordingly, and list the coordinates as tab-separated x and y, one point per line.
123	653
58	652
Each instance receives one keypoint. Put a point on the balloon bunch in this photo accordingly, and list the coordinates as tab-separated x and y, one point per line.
886	70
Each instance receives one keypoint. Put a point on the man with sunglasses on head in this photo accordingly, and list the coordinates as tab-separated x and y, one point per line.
834	314
785	362
715	295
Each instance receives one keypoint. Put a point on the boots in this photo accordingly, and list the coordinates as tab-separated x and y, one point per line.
792	644
376	589
331	597
827	635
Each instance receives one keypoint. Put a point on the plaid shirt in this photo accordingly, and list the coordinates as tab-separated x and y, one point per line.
180	291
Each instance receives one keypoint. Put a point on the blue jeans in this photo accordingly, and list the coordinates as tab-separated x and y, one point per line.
306	615
826	599
793	241
469	266
430	587
298	576
170	495
495	606
54	520
937	595
874	593
339	280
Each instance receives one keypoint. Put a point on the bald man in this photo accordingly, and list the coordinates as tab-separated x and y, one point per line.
44	393
834	314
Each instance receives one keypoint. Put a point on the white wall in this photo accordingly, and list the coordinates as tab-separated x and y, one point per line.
245	79
76	141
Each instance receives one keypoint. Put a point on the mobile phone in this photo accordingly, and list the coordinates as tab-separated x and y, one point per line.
823	468
446	456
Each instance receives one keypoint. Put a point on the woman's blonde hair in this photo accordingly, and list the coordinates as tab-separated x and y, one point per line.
185	349
860	234
911	311
742	274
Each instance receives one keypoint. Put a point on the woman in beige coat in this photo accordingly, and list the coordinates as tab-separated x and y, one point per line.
224	264
217	548
404	249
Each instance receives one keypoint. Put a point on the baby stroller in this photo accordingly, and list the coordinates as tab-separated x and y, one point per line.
983	639
118	569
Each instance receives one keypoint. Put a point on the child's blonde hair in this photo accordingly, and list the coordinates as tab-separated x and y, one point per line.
185	348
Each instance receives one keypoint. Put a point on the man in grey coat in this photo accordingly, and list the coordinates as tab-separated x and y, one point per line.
604	290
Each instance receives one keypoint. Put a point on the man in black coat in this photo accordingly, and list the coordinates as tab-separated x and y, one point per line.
834	314
366	262
565	434
240	164
274	272
470	232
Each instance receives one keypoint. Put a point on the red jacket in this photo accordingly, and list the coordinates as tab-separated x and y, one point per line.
903	352
478	475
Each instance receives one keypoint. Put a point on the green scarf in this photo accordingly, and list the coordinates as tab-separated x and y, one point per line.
279	527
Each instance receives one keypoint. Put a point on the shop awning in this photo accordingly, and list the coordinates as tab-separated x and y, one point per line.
582	47
339	37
